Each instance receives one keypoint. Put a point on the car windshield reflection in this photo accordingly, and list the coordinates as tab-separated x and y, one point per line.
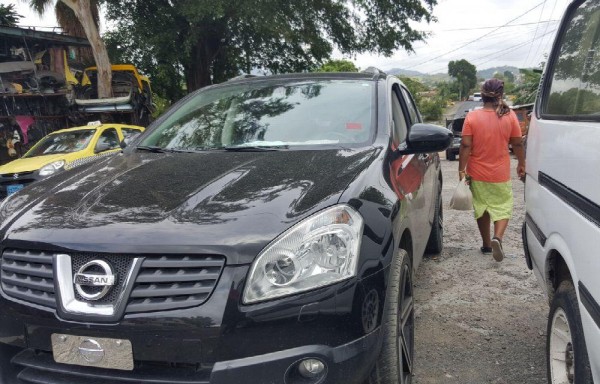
267	115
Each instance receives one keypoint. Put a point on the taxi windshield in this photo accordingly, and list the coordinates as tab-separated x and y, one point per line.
64	142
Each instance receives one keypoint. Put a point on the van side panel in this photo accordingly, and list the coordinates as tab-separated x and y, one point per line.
563	199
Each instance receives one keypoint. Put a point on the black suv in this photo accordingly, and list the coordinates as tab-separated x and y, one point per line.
264	230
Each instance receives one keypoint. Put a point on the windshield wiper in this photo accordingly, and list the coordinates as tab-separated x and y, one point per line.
151	148
255	148
156	149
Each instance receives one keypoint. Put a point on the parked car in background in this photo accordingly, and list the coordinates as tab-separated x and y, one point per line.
455	125
477	96
561	232
64	149
264	230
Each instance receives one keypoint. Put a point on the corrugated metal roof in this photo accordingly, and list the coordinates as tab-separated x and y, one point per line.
38	36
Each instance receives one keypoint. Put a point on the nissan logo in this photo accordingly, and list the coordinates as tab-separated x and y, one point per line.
92	276
91	351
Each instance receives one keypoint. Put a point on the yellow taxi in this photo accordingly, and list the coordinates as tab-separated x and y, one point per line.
64	149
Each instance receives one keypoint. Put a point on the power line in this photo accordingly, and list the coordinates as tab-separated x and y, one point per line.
546	45
481	37
497	53
505	35
534	35
501	26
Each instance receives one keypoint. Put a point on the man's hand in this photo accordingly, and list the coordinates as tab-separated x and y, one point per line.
521	171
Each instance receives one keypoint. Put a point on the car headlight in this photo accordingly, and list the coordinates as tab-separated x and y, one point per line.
320	250
52	168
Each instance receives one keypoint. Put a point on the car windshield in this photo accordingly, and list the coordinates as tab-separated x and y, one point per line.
64	142
261	114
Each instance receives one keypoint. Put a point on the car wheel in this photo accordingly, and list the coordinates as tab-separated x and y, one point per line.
450	156
395	361
435	244
566	352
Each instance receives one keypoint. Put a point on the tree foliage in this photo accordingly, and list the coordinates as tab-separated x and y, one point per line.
465	74
8	15
526	92
209	41
338	66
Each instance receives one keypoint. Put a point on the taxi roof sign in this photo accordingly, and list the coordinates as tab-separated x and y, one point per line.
94	123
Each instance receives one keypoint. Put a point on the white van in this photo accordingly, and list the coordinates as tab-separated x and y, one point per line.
477	96
561	233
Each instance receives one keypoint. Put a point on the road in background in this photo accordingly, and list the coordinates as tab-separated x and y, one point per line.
478	321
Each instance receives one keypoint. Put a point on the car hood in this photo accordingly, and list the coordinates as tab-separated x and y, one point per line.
210	202
30	164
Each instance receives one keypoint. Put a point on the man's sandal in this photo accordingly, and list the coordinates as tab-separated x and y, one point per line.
497	251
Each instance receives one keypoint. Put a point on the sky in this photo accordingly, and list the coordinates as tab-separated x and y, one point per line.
487	33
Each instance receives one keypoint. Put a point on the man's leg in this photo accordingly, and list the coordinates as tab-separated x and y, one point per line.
484	229
500	227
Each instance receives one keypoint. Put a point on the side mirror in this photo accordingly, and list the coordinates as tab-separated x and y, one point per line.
101	147
123	144
426	138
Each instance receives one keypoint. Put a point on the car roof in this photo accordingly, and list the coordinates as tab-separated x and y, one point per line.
311	76
91	127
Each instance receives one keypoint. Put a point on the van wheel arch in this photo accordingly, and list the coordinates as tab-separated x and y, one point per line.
557	271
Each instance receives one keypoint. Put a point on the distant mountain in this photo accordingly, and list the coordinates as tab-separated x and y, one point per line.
437	77
489	72
404	72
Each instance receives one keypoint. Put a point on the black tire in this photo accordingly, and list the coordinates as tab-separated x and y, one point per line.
566	354
395	362
435	244
450	155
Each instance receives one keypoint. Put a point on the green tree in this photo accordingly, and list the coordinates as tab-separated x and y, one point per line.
509	76
414	86
338	66
526	92
8	15
86	20
209	41
465	74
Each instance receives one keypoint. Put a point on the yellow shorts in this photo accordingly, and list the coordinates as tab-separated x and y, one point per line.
495	198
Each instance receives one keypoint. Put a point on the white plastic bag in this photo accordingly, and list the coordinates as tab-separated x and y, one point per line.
462	199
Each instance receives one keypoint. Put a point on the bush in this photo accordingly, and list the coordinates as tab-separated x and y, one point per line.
432	109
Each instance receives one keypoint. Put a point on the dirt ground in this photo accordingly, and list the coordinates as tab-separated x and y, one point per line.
477	320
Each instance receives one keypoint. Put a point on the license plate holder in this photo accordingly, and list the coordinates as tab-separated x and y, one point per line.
97	352
10	189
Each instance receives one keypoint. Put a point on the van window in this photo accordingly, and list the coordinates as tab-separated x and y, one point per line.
575	78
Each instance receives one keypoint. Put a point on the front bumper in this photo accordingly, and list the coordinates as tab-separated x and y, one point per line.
220	341
344	364
14	179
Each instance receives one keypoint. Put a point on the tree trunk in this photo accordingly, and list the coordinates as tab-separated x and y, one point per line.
83	12
198	71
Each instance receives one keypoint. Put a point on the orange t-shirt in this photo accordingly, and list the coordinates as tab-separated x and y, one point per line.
490	160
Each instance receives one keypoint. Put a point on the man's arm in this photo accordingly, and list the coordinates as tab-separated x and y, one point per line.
519	151
463	155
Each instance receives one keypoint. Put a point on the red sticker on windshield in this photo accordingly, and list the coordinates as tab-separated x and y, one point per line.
353	126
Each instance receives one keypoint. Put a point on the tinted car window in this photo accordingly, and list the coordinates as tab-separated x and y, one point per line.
264	114
412	109
400	126
129	134
109	137
64	142
575	79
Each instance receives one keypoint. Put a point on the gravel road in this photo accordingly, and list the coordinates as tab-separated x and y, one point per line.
478	321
